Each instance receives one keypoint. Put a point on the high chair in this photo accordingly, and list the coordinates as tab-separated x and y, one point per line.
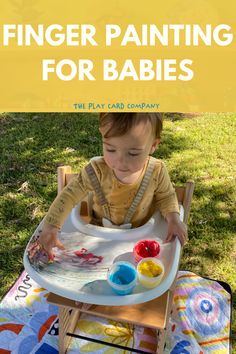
152	314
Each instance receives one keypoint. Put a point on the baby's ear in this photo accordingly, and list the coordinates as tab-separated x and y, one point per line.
155	145
101	130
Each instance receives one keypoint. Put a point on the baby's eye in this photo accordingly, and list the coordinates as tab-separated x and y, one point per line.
111	150
133	154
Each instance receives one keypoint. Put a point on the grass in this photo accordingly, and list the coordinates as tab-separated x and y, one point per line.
202	148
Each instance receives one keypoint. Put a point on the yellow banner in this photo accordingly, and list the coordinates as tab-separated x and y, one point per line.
116	55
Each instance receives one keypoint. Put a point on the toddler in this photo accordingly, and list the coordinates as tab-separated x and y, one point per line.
128	184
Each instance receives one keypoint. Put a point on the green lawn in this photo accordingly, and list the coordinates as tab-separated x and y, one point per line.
201	148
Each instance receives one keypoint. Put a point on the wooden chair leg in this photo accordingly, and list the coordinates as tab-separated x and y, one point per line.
161	341
162	332
68	319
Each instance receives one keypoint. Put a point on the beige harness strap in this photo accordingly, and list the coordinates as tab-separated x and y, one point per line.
98	190
138	197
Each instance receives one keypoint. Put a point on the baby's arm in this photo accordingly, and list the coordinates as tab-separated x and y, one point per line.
167	203
176	228
59	210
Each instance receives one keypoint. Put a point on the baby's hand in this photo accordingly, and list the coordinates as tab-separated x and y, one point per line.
48	239
176	228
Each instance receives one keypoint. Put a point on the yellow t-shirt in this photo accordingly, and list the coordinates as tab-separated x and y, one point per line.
159	195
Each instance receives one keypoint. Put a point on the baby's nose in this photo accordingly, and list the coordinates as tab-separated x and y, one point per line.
121	160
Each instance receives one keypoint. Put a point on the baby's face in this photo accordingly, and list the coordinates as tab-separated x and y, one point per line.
127	154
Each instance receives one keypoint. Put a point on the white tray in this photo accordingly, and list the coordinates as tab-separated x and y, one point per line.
84	278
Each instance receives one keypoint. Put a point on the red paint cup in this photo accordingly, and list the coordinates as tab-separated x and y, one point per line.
146	248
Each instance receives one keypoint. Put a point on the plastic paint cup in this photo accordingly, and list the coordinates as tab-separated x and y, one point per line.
148	274
122	277
146	248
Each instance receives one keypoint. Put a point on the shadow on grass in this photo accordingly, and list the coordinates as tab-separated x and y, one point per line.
40	142
174	116
171	143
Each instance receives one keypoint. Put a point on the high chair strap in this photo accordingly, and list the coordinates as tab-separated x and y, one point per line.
98	190
138	197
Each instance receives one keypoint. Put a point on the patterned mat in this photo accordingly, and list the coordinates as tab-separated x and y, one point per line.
200	322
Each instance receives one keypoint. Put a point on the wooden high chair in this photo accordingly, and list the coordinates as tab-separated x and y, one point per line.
152	314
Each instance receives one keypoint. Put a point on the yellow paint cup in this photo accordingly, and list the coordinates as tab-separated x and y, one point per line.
150	272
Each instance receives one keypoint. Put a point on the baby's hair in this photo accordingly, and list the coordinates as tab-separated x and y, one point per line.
121	123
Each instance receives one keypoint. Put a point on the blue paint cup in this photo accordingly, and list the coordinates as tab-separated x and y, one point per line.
122	277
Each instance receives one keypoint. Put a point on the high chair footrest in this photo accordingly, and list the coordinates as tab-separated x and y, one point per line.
151	314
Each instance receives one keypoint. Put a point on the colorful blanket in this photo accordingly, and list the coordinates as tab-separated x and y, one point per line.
200	322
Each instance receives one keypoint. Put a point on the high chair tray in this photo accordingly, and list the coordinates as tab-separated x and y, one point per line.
82	276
